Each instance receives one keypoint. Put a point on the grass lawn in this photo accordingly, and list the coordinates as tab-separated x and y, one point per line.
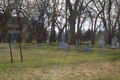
47	62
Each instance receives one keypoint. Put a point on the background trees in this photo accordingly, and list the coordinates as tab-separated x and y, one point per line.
52	17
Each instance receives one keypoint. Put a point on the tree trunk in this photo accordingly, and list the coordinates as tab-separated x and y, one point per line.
72	32
53	33
109	22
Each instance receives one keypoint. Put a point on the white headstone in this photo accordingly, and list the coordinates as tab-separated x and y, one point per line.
114	43
117	44
63	45
101	41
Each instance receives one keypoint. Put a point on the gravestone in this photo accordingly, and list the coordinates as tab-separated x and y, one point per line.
114	43
117	44
90	44
86	49
63	38
101	41
63	45
76	42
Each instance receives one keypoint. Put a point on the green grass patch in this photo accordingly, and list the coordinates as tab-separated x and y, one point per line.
47	62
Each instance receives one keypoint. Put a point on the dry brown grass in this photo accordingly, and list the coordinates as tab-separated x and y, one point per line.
54	64
76	71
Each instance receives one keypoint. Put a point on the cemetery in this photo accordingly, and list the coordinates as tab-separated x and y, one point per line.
59	40
50	61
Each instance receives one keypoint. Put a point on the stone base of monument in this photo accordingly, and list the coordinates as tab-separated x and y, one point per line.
64	46
114	47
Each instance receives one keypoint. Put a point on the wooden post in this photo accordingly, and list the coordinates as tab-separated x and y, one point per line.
10	48
20	51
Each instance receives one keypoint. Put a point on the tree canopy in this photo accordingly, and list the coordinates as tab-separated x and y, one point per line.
46	19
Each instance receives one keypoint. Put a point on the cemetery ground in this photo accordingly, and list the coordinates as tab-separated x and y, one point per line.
47	62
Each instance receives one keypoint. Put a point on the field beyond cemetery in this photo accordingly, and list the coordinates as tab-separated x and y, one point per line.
47	62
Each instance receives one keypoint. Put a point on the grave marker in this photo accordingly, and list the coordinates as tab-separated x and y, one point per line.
114	43
63	45
101	41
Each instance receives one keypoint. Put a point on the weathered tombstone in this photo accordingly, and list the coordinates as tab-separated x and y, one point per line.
86	49
76	42
90	44
63	45
114	44
63	38
117	44
101	41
